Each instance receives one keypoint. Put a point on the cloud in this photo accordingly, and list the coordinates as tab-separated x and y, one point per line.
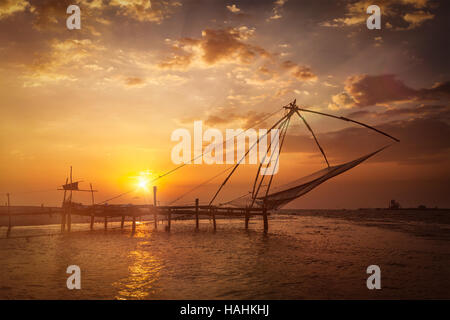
301	73
145	10
365	90
10	7
423	139
134	82
253	65
233	8
58	63
221	116
341	101
420	111
215	46
51	14
396	13
416	19
277	10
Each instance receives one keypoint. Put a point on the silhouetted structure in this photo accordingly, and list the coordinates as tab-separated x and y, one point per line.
394	205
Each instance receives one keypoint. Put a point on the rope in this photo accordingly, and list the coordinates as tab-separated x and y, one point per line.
193	159
314	136
239	162
200	185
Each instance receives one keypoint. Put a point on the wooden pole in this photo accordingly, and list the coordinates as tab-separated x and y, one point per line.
69	221
122	222
9	217
63	214
266	222
247	218
69	218
196	214
133	229
92	194
92	210
214	218
169	220
63	220
155	215
106	223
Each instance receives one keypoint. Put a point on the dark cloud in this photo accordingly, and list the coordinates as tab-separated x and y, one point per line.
422	140
397	14
10	7
366	90
51	14
440	111
230	46
302	73
221	45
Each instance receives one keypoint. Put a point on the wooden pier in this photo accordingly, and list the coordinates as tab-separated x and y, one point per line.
106	211
136	212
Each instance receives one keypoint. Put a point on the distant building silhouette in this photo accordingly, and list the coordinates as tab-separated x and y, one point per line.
394	205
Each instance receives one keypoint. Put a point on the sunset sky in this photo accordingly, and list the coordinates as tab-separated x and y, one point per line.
105	99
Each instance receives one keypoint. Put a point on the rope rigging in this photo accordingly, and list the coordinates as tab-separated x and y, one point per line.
239	162
293	108
194	158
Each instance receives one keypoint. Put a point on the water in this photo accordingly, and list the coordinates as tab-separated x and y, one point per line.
305	256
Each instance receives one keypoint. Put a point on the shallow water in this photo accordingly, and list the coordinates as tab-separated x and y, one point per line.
301	257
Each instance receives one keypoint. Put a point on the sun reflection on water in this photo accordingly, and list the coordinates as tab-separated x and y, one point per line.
144	272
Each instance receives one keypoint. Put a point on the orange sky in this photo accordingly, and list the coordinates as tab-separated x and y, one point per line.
105	99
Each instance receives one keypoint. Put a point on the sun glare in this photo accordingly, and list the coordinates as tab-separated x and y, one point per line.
143	180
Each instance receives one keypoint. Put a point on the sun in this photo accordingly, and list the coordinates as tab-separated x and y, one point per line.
143	183
143	180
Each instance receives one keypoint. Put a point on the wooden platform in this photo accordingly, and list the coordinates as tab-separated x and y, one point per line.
134	212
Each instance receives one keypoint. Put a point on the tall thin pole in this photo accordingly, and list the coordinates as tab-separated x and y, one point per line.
92	209
69	217
64	208
9	217
196	214
155	214
92	193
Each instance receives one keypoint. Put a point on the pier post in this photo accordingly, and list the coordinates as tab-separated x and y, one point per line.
122	222
266	222
247	218
196	214
69	210
133	228
93	203
106	223
9	218
63	221
69	221
214	218
169	220
155	215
